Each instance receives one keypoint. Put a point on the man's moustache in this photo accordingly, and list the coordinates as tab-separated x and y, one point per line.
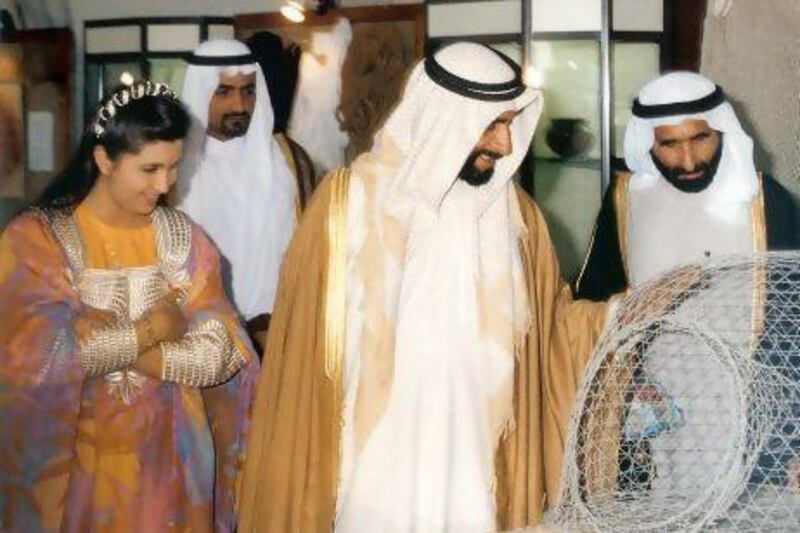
236	116
702	169
489	153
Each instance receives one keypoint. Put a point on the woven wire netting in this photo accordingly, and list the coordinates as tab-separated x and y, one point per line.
688	417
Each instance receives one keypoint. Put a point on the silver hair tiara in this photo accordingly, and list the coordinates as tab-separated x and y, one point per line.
123	97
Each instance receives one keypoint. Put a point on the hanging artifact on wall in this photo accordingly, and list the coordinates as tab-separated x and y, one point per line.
12	160
382	44
373	75
313	121
12	169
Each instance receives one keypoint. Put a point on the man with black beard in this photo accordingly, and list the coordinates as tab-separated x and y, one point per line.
237	180
693	191
494	144
419	310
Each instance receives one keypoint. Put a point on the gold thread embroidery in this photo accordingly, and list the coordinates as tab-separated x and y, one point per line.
66	232
125	385
109	349
206	356
126	292
173	244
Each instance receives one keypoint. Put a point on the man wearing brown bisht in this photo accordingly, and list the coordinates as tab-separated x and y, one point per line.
419	309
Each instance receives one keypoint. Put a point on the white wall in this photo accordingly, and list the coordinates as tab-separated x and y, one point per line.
751	51
38	13
106	9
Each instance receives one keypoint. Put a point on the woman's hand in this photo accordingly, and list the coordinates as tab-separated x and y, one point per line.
150	363
91	320
166	320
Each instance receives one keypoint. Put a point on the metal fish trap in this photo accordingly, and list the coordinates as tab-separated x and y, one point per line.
688	417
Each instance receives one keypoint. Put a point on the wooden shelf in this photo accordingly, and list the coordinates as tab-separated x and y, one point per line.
586	162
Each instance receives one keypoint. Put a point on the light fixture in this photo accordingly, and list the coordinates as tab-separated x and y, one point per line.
294	11
532	77
126	78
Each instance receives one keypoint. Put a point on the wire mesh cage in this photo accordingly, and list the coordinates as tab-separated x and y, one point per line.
688	417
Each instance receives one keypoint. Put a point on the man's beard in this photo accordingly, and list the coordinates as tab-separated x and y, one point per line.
708	168
470	173
234	125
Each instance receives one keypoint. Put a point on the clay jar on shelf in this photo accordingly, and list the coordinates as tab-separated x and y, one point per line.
569	137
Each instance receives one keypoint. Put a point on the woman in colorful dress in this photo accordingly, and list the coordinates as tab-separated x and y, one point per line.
125	377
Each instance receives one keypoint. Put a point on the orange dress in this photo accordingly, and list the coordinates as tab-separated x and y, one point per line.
113	247
107	445
118	451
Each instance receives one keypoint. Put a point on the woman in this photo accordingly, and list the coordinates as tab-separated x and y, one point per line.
124	375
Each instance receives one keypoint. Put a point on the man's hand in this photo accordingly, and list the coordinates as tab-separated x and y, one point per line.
647	393
793	475
91	320
662	296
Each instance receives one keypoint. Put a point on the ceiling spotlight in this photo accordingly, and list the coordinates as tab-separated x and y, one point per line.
126	78
533	77
294	11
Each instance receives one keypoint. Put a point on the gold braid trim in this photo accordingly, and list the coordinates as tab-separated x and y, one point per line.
760	269
335	305
109	349
206	356
286	150
65	229
337	263
758	218
621	209
173	243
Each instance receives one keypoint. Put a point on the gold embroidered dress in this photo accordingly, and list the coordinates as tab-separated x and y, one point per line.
87	442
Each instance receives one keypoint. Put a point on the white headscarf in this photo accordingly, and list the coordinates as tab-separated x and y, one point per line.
436	306
241	192
736	181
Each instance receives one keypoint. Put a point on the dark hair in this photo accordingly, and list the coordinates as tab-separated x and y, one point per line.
139	122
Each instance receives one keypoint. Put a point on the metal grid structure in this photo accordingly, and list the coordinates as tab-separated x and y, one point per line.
688	417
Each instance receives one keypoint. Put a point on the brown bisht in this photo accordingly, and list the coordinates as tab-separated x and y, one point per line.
291	471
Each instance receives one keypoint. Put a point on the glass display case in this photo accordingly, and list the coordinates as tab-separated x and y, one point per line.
567	175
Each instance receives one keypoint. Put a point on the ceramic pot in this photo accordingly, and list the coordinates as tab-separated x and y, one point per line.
569	137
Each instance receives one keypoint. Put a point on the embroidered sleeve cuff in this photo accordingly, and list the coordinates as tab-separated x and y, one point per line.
109	350
205	357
